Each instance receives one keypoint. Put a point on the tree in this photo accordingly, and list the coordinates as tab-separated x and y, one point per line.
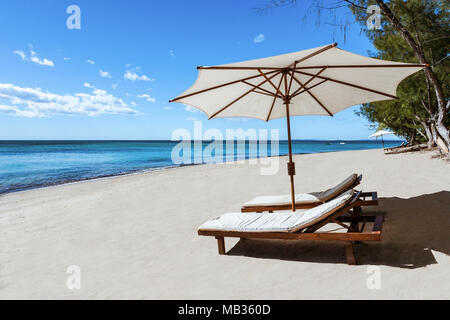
410	31
428	22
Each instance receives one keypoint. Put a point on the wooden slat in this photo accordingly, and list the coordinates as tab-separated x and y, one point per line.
278	207
259	208
325	236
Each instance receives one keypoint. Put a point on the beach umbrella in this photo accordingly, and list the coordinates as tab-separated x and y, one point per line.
318	81
380	133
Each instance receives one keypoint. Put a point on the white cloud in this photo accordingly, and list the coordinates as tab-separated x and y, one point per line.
42	62
88	85
146	97
21	54
105	74
66	59
33	102
34	58
191	119
167	108
133	76
90	61
115	85
172	53
259	38
190	108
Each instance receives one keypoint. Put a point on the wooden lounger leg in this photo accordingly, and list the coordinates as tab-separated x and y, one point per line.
221	244
350	253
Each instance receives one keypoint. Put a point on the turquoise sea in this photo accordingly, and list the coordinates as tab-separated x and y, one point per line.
33	164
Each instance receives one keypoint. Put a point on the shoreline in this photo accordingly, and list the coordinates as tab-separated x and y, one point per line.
147	170
142	171
27	181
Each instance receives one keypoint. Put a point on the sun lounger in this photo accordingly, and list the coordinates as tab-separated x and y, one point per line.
307	200
299	225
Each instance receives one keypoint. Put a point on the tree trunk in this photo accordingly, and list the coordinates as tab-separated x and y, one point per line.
442	108
438	140
431	142
412	138
444	132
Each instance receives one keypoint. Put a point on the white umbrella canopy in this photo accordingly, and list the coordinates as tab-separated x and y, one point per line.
318	81
334	80
380	133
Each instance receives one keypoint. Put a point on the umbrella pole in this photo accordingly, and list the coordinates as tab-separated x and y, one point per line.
382	141
291	165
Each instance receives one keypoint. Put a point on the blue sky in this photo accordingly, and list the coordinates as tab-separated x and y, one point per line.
131	57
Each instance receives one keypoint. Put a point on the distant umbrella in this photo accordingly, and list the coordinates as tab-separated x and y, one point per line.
318	81
380	133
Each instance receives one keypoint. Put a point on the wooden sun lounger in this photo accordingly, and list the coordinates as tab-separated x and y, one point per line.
373	201
347	214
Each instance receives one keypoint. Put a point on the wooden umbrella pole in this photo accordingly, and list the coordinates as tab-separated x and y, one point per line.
291	164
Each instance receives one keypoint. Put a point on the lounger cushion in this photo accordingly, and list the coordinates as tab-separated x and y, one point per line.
278	222
304	198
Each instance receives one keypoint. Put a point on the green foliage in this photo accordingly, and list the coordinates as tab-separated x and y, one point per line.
428	22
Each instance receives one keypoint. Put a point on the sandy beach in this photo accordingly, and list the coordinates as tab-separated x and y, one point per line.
136	236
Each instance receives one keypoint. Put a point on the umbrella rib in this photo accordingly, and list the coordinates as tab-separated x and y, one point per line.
264	93
303	90
262	89
219	86
238	68
271	83
274	100
309	81
290	82
246	93
313	96
270	68
314	54
350	85
365	66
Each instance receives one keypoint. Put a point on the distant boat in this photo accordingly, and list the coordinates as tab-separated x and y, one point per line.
342	143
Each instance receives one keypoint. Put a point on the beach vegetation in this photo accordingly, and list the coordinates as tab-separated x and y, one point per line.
414	31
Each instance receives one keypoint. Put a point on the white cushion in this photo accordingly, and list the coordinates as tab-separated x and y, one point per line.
304	198
278	222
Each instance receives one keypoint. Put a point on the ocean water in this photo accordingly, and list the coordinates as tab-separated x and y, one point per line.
32	164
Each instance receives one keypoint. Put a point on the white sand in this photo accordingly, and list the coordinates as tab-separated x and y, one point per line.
136	236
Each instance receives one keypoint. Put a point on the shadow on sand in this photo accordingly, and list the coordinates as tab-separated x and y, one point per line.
412	227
